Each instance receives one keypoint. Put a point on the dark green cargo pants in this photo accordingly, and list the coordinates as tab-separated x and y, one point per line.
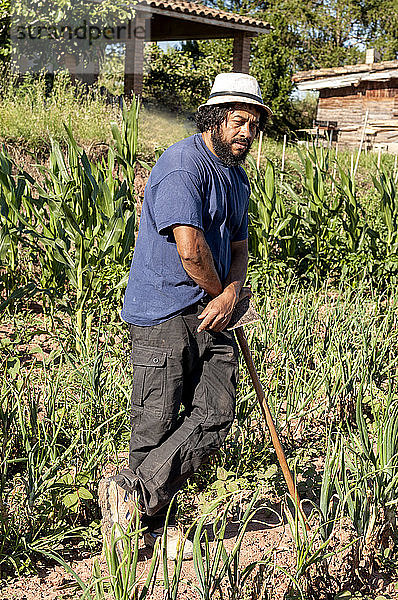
183	403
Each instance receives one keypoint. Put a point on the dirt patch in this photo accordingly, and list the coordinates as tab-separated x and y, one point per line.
267	541
264	536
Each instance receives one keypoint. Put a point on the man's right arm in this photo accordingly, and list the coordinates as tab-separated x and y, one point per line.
197	259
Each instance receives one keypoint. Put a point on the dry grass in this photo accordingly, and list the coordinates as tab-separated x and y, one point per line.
160	129
31	119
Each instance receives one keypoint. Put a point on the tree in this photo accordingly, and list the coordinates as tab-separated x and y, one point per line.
44	31
273	58
312	32
305	34
381	26
5	44
180	78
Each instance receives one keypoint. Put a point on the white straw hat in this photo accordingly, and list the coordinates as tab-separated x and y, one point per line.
236	87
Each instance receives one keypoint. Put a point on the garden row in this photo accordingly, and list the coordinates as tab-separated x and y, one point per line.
69	236
311	224
328	362
327	356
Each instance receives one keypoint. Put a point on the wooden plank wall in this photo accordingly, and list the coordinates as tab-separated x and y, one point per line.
348	107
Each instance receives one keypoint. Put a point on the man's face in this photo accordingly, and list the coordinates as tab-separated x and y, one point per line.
233	139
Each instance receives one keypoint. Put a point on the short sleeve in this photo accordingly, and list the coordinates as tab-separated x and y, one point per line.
177	200
242	233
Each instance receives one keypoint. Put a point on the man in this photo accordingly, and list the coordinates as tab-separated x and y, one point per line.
187	274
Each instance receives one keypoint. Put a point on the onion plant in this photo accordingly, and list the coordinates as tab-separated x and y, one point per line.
367	481
217	570
58	427
122	582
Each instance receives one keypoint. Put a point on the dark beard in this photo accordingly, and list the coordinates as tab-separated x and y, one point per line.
224	151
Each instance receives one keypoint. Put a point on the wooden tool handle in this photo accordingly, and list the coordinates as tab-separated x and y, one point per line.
240	335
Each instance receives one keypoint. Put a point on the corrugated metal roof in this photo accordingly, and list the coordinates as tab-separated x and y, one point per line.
199	10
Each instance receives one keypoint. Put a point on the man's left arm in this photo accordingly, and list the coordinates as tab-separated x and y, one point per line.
218	312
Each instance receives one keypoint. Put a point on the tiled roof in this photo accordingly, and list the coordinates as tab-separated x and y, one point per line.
199	10
347	70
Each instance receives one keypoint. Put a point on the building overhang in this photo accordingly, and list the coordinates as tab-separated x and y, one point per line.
181	20
351	79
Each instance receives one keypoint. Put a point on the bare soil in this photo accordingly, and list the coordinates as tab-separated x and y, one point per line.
265	534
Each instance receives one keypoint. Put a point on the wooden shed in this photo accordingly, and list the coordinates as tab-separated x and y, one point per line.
356	100
171	20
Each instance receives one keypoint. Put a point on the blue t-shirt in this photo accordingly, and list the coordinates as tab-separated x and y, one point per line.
189	185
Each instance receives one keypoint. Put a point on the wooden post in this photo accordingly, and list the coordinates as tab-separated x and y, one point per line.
361	142
241	53
260	143
70	62
134	59
90	73
379	158
283	156
335	167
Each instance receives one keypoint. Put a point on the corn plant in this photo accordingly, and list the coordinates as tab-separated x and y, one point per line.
272	226
79	222
268	213
385	184
312	225
14	198
86	224
126	142
318	214
353	216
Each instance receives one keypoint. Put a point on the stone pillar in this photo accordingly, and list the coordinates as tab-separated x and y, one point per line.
70	62
87	72
134	59
241	53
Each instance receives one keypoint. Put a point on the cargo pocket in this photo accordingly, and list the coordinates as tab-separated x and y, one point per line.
149	375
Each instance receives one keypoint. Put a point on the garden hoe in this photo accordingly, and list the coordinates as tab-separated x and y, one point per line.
245	313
